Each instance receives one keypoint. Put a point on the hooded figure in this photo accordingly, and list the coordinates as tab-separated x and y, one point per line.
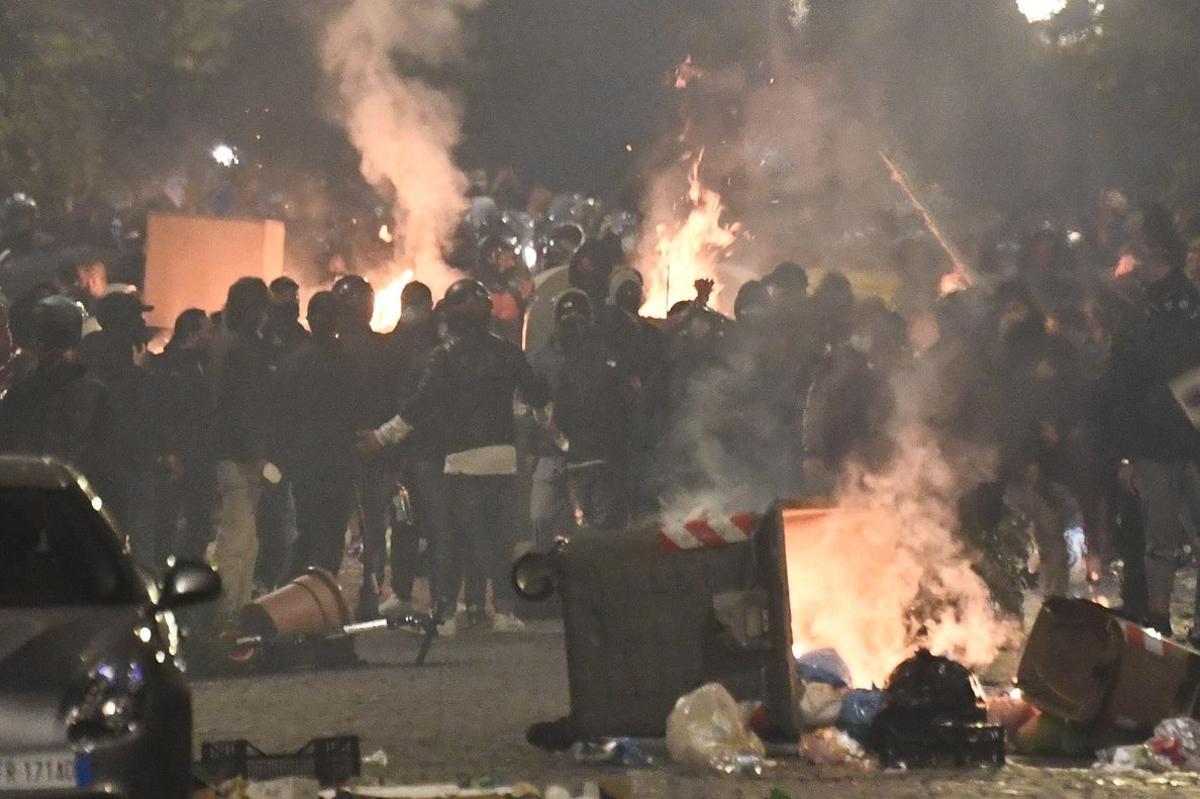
594	404
58	409
466	397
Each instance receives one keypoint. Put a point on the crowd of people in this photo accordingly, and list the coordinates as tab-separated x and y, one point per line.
259	441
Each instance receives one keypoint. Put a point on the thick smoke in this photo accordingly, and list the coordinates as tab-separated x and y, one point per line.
797	161
405	128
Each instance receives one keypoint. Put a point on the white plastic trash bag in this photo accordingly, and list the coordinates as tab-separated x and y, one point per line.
706	730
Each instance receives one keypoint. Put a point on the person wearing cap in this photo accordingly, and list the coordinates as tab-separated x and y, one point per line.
115	355
59	409
466	395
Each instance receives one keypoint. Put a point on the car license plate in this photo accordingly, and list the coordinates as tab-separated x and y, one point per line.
38	771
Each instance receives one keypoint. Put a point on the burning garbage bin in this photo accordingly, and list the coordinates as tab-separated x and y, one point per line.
657	610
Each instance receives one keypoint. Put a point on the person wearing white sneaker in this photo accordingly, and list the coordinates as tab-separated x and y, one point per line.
467	395
507	623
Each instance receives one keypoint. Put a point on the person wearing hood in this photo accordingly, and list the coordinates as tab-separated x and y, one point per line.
188	480
466	398
283	335
315	402
422	462
241	381
619	322
59	409
593	396
591	268
375	363
116	356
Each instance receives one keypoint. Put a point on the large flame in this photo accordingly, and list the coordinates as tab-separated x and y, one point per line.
687	251
884	573
387	303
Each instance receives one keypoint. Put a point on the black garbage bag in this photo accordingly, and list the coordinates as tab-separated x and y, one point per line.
934	715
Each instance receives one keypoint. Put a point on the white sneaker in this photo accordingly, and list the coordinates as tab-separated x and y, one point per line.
507	623
448	628
393	608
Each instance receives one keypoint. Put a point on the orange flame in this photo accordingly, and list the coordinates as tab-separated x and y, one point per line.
387	303
688	251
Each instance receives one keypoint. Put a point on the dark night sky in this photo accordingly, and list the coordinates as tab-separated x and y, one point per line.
555	88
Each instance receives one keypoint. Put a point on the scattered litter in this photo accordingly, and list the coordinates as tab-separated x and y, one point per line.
444	791
859	708
830	747
374	766
824	666
820	704
1174	747
1010	710
706	730
611	752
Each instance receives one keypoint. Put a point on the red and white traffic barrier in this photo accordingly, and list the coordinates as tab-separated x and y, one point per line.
1145	640
707	533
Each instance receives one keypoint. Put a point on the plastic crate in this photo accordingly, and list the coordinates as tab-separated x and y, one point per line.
330	761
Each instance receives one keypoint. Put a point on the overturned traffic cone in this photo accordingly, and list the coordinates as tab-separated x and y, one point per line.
311	604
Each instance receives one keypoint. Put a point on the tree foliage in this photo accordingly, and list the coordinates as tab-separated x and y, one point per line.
84	85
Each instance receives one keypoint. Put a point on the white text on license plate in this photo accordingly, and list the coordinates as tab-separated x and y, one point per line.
37	771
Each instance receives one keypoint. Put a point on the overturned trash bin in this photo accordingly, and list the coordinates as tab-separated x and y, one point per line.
1083	663
656	611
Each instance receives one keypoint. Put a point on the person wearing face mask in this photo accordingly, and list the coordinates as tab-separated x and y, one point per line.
374	358
283	332
422	462
593	396
283	335
241	380
465	398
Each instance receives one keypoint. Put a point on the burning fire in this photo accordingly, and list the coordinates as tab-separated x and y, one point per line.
387	303
689	251
883	573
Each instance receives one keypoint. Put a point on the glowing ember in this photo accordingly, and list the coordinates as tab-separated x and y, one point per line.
952	282
687	72
387	303
689	251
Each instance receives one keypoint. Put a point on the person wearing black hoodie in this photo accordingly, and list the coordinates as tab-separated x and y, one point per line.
422	462
594	404
58	409
466	397
188	485
315	417
283	335
241	377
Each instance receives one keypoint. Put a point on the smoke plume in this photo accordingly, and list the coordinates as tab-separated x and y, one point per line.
405	128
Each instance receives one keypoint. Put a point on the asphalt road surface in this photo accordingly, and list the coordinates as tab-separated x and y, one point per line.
464	714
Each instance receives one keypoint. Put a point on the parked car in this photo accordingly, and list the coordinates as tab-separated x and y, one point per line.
92	699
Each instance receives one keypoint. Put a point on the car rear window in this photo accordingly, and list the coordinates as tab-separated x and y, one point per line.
56	550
